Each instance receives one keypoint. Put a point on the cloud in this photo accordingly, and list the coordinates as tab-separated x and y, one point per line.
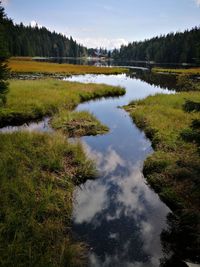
5	2
102	42
197	2
34	23
106	163
91	198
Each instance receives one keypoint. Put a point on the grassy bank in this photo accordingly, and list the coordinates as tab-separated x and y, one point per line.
28	66
173	169
190	71
29	100
38	173
78	123
163	119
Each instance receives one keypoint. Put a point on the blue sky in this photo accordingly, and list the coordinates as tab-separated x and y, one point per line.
107	23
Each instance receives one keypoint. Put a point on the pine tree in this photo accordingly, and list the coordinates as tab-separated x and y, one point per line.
4	72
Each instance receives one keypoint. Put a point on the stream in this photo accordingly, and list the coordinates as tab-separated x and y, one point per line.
118	215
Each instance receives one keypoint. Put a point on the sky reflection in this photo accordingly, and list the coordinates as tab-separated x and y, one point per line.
118	215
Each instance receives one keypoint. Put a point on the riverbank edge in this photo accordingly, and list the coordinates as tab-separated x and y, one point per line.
8	117
39	172
47	168
177	71
154	172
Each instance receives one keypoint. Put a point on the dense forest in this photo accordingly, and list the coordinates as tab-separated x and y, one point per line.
171	48
34	41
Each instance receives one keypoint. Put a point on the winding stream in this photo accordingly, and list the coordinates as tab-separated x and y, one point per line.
118	215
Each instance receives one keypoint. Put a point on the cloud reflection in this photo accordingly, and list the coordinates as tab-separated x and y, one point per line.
106	162
118	214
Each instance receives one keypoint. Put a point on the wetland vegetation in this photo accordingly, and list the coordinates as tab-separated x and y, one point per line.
172	124
50	69
38	175
29	100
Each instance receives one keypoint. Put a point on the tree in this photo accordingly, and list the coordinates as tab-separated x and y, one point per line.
4	71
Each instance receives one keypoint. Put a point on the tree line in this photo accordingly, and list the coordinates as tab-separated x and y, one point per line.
176	47
35	41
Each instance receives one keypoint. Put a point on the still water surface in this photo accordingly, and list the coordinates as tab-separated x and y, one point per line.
118	215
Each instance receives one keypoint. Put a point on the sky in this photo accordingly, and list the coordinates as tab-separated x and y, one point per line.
107	23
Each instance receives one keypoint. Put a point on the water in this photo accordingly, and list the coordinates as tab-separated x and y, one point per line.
118	215
38	126
98	61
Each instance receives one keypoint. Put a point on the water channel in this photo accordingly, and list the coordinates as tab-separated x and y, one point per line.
118	215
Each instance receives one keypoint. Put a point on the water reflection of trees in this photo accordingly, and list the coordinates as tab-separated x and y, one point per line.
165	81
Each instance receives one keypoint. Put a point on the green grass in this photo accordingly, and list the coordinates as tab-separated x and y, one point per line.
29	100
28	66
37	177
174	167
174	164
80	123
190	71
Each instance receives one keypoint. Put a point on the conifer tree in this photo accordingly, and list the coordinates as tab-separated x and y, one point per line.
4	72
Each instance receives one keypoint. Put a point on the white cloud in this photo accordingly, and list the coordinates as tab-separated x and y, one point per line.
197	2
102	42
34	23
91	198
5	2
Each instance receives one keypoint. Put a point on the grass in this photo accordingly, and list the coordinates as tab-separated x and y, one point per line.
173	169
28	66
174	165
37	177
190	71
78	123
29	100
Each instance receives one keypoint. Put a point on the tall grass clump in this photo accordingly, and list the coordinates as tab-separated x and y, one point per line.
78	123
37	177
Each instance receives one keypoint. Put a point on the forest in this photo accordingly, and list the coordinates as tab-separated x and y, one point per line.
179	47
35	41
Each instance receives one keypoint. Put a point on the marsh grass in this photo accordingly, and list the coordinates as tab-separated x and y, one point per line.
28	66
174	167
78	123
29	100
163	119
37	177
